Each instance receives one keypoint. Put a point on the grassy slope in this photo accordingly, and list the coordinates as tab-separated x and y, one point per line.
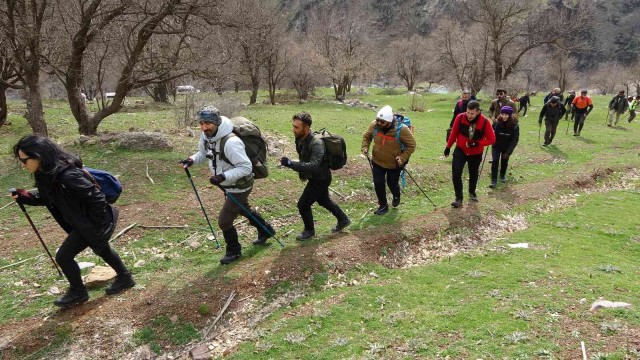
599	147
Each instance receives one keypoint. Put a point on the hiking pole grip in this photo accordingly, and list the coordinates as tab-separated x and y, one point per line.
186	169
14	192
249	214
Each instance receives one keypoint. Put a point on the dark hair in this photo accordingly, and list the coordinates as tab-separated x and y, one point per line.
501	91
473	105
52	157
304	116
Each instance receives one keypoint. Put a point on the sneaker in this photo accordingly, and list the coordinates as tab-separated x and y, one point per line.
341	225
575	134
306	235
74	296
457	203
122	282
545	144
383	209
503	178
493	184
262	237
228	258
473	197
395	202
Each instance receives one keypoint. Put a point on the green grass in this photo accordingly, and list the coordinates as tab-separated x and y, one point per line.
505	304
483	297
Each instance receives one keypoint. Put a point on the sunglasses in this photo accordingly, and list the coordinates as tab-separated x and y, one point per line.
379	121
23	160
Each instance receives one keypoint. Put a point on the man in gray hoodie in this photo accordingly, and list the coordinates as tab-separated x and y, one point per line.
232	170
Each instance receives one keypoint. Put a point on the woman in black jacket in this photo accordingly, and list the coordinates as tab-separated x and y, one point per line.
78	206
507	136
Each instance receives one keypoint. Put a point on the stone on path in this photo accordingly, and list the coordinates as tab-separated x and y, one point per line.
99	275
201	352
608	304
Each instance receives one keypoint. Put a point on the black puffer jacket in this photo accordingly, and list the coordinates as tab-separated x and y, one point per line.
506	137
75	203
311	164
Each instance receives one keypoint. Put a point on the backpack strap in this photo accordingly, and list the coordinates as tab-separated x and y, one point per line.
223	142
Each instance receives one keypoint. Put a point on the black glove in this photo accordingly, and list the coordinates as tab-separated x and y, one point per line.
472	144
505	156
284	161
217	179
447	151
186	162
23	196
539	122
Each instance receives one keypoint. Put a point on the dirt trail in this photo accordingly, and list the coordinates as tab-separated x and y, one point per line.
103	327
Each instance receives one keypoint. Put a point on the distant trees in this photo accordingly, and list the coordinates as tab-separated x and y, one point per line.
10	77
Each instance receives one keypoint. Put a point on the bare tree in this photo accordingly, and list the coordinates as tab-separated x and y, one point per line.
304	74
465	53
23	24
409	57
515	27
10	78
341	33
278	60
608	76
560	68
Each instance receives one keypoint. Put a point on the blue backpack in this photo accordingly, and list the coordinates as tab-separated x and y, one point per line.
400	120
108	184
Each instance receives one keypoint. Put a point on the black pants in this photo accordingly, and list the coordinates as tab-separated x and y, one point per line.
457	165
579	122
317	191
392	178
75	244
230	211
525	109
497	160
550	130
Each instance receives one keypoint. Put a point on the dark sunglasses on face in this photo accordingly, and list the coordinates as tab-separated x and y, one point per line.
23	160
379	121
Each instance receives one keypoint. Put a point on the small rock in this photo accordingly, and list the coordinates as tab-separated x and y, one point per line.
144	353
174	319
99	275
519	246
139	263
200	353
195	244
85	265
608	304
54	290
4	343
36	285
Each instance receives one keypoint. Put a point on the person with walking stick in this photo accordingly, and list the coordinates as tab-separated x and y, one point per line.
471	132
552	112
232	171
315	170
507	134
78	206
393	144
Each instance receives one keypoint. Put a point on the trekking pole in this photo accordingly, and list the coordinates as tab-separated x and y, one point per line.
539	130
15	192
186	169
415	182
567	132
249	214
483	159
369	160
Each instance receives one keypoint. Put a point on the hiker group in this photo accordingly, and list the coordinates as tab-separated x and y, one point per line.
81	200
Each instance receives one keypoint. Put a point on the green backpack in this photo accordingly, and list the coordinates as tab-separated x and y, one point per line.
335	149
254	144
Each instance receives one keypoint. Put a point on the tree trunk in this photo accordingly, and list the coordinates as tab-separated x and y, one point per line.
3	105
161	92
35	113
236	86
255	86
272	93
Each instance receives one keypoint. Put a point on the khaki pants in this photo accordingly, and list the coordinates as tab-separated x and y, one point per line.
611	114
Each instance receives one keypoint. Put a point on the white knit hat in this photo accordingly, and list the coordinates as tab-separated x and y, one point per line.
386	114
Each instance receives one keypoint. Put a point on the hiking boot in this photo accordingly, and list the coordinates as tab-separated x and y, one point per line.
262	236
575	134
395	202
74	296
457	203
473	197
609	125
341	225
382	209
503	178
306	235
228	258
122	282
493	184
545	144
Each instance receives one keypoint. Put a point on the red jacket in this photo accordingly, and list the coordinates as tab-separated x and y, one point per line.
484	134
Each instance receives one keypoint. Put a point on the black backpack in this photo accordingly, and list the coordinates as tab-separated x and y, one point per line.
335	149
